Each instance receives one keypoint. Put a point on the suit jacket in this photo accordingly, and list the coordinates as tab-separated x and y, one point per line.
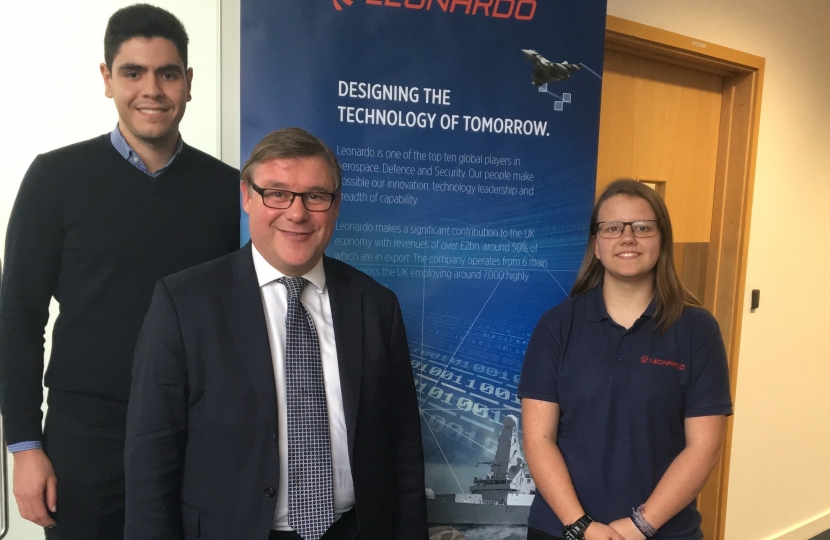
201	451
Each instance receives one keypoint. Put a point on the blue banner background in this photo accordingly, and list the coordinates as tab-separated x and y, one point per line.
473	272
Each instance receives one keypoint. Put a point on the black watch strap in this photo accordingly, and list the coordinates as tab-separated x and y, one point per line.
576	530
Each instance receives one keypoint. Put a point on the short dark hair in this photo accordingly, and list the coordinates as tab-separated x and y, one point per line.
291	142
672	296
146	21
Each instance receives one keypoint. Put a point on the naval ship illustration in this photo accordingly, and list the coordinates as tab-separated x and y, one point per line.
503	497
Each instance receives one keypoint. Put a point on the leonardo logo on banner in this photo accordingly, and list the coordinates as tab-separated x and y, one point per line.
522	10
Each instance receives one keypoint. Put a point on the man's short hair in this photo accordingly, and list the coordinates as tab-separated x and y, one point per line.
146	21
291	142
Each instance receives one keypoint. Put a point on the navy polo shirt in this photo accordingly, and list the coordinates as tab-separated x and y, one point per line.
623	397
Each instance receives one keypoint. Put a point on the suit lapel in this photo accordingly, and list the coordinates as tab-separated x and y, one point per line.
347	319
246	318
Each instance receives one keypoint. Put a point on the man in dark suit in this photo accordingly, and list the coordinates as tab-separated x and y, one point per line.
265	404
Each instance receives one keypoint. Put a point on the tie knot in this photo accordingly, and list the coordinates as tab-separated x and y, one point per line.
294	285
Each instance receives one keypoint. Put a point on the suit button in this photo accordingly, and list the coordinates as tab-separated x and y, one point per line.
269	492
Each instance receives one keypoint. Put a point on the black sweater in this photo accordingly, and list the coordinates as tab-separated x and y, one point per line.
96	233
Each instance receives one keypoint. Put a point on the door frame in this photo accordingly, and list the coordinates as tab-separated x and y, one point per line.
743	76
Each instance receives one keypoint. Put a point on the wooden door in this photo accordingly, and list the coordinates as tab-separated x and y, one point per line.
659	124
682	115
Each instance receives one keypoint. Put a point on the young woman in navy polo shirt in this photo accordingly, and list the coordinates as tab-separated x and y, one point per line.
625	387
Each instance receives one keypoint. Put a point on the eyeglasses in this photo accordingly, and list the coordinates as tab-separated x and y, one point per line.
280	199
645	228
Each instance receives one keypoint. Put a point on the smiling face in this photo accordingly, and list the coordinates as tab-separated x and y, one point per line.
150	87
291	240
627	258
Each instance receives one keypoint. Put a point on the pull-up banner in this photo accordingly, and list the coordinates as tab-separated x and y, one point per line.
467	132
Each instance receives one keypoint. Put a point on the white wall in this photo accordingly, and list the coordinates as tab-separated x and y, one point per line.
780	477
51	93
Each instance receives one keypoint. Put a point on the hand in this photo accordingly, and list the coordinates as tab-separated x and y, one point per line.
35	486
627	529
598	531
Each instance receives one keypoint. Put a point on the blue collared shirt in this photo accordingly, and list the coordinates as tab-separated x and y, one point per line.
120	144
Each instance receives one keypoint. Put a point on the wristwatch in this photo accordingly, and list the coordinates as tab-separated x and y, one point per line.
576	530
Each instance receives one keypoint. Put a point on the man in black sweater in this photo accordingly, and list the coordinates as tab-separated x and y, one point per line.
95	225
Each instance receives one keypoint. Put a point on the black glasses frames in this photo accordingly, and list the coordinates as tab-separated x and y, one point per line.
281	199
644	228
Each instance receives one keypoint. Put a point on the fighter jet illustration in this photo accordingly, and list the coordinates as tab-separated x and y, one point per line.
546	71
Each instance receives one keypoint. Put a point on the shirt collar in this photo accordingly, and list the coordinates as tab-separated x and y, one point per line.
120	144
596	310
265	273
652	307
596	305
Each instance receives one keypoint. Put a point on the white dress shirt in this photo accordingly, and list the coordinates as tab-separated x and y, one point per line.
315	298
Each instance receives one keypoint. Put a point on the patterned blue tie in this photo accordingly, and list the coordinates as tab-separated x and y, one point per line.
310	484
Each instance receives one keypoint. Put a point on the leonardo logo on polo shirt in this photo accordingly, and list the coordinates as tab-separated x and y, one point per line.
656	361
337	5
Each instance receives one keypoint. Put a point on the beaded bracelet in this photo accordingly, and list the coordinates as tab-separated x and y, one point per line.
641	522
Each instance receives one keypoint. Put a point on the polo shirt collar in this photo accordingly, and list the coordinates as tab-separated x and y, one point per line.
597	312
265	273
596	305
652	307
